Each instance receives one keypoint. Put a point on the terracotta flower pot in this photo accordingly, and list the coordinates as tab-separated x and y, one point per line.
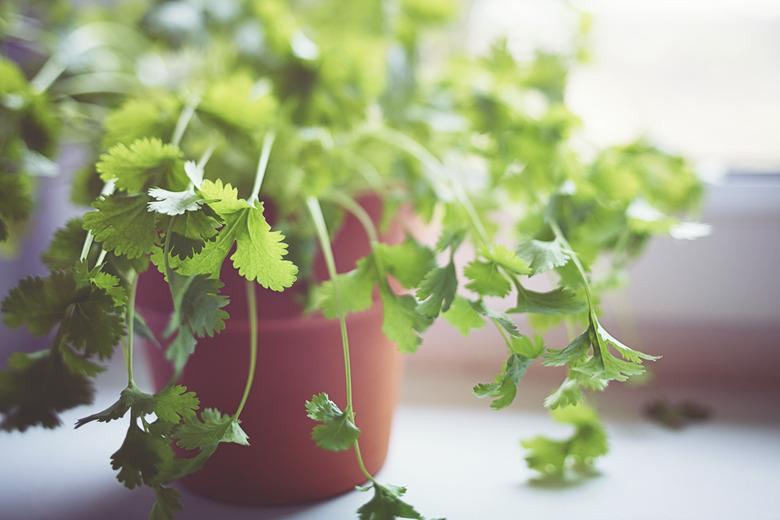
298	356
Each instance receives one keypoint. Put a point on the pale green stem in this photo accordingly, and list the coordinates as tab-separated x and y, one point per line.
251	298
262	165
101	258
108	189
131	327
204	159
183	122
327	251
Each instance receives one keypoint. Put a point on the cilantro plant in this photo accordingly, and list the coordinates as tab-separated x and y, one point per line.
303	107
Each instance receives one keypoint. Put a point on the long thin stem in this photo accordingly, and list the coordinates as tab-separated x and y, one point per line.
262	165
131	327
327	251
184	120
108	189
251	298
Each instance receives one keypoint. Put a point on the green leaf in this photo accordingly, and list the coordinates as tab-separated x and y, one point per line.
507	259
180	349
143	164
140	457
39	303
79	364
65	248
463	317
559	301
552	458
568	394
504	389
402	323
408	262
211	429
386	504
123	225
175	403
150	116
575	352
486	279
35	388
112	286
437	290
88	317
336	431
202	307
542	255
15	200
591	361
347	293
259	251
189	232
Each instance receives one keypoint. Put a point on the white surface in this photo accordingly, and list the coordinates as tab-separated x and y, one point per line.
462	463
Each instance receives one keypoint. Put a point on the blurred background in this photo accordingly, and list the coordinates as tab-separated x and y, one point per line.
700	78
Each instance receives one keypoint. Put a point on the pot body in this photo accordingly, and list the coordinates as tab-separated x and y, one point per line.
298	356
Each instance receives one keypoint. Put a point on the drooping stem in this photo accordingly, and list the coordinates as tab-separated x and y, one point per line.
251	298
262	165
131	327
327	252
556	229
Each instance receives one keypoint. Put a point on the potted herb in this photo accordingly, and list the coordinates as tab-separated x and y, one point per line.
249	222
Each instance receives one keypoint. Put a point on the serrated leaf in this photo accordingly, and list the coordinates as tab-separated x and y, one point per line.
123	225
259	253
202	307
485	279
386	504
140	457
65	248
402	323
507	259
348	292
87	316
437	290
79	364
150	116
175	403
408	262
181	348
463	317
552	458
568	394
542	255
557	302
212	428
35	388
143	164
504	389
336	431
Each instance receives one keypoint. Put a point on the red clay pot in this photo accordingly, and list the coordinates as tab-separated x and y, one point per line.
298	355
